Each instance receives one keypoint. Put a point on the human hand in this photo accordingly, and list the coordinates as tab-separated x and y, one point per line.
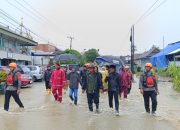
141	91
18	91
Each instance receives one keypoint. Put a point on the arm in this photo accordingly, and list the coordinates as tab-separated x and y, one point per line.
119	81
52	78
100	82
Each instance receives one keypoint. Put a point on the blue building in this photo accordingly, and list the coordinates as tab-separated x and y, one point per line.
14	47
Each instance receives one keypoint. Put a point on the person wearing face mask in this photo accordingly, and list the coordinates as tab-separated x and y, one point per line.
74	79
47	76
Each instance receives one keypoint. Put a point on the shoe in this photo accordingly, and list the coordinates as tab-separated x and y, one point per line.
153	113
71	102
97	111
117	113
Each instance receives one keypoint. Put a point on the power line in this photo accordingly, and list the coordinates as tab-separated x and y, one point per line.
27	9
34	9
144	14
155	8
21	10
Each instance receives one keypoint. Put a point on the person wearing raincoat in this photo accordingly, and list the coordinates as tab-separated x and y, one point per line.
104	73
124	78
58	82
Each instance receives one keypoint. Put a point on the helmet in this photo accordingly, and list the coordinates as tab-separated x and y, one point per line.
14	65
148	65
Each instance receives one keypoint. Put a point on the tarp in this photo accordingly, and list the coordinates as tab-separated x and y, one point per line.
160	60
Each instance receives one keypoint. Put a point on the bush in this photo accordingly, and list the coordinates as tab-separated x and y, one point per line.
174	72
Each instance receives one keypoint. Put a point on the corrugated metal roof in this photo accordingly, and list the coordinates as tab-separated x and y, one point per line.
14	35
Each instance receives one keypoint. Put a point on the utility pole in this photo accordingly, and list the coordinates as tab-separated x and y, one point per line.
132	48
71	38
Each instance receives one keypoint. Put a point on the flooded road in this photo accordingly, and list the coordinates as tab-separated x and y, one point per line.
43	113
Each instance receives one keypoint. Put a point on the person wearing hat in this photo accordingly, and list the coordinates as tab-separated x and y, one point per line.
92	85
148	88
113	88
13	86
58	82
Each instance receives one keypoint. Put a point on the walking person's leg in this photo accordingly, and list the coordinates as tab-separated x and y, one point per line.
110	96
75	96
54	92
90	101
125	92
116	100
153	96
146	101
17	99
60	94
71	94
96	100
7	100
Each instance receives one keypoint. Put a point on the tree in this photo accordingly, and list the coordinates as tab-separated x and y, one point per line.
74	52
91	55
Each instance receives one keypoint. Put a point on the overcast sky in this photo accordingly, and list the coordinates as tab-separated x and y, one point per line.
100	24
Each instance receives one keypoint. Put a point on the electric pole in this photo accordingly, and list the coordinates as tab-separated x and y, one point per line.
71	38
132	48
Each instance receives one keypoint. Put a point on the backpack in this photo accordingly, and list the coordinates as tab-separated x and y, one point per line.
12	80
149	81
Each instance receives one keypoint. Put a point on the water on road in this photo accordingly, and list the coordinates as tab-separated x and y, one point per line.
43	113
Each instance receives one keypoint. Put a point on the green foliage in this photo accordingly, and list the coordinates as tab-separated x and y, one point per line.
91	55
74	52
174	72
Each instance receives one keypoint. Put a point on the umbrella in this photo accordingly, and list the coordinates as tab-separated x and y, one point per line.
65	57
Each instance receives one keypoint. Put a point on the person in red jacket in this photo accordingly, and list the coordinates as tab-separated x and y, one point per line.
58	82
124	78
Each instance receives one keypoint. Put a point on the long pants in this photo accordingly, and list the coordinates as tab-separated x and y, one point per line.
114	94
57	93
73	94
8	95
129	89
124	90
147	95
93	98
48	86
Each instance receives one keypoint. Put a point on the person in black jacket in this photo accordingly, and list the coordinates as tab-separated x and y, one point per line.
113	88
47	76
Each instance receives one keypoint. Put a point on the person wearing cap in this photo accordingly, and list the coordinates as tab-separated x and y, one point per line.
13	86
130	75
124	83
47	76
58	82
148	88
113	87
92	85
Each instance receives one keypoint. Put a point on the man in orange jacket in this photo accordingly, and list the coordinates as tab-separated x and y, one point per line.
58	82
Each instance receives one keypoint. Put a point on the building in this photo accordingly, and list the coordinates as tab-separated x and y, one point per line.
14	47
171	53
142	58
43	53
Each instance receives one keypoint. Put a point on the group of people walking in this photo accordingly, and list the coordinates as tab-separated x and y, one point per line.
93	82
